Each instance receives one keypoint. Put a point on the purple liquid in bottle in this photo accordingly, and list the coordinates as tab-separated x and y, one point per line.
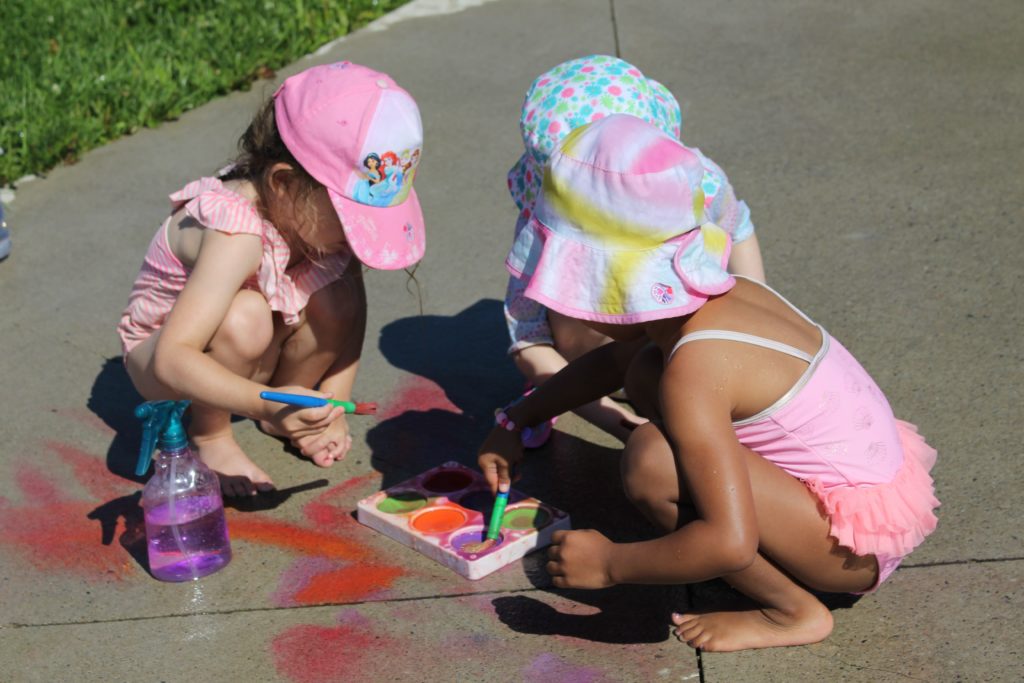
187	538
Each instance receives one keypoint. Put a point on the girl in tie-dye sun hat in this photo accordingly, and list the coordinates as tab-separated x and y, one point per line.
771	460
570	95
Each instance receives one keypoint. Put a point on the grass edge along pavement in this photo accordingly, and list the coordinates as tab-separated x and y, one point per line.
77	74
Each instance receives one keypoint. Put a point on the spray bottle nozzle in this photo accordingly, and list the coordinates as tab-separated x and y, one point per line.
161	428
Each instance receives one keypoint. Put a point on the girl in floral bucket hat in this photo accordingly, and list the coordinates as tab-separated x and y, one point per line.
254	280
772	459
560	100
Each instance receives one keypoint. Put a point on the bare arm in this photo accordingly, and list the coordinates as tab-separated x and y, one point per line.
745	259
341	376
586	379
222	267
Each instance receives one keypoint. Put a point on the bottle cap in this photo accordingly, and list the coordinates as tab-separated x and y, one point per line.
161	429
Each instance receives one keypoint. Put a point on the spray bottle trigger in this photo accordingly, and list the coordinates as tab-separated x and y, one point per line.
161	421
147	413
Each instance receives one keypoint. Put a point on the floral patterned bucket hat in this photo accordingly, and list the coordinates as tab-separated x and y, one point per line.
573	94
618	232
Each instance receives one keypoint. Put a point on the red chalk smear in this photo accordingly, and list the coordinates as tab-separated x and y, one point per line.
89	470
416	393
348	584
53	533
313	654
36	487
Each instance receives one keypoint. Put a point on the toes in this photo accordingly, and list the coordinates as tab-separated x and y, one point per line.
323	458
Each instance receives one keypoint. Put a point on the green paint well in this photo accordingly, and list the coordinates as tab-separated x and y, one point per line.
401	503
525	518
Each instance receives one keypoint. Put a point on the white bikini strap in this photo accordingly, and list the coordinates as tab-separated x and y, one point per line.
729	335
784	299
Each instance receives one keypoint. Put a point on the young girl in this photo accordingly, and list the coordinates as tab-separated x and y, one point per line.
254	280
772	459
570	95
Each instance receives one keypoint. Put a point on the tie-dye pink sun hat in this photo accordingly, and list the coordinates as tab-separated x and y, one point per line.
618	232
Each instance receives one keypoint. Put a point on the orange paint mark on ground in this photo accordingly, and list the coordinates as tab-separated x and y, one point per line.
307	541
348	584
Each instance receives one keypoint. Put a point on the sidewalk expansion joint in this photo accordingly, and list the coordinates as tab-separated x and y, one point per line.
252	610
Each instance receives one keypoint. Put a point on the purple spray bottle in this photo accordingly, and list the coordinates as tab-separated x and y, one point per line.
186	533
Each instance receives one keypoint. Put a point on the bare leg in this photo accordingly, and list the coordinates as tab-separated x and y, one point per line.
324	349
795	551
239	344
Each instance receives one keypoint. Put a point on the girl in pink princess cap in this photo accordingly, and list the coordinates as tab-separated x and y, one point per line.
771	460
567	96
254	280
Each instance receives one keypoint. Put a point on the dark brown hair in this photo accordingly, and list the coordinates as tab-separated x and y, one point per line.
259	149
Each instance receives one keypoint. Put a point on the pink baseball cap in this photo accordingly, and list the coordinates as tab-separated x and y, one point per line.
360	135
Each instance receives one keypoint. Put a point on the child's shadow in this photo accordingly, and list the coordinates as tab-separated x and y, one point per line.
464	355
113	400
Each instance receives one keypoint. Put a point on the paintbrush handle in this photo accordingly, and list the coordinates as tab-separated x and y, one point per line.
300	400
497	514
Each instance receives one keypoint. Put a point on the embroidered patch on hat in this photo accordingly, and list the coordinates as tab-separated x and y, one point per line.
662	293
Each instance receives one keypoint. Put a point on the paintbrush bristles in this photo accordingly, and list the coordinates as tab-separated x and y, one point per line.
366	408
479	547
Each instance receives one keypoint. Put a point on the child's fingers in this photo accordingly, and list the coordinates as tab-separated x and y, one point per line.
322	416
489	468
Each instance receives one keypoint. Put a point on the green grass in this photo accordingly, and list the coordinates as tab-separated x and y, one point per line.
75	74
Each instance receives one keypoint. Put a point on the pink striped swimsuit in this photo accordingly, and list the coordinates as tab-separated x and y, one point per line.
834	431
212	205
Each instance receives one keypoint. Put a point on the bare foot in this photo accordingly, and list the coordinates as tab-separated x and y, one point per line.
731	631
267	428
239	476
324	455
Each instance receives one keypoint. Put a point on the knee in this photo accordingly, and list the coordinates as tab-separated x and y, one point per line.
647	466
338	308
573	338
248	327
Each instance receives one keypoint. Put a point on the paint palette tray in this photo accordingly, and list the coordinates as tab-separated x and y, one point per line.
441	511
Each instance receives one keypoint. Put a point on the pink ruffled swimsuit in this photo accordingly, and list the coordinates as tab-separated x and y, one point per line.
834	430
214	206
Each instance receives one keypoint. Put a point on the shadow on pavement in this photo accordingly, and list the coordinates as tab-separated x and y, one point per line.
464	355
113	400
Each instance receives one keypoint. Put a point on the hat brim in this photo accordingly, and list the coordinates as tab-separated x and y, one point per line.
383	237
586	282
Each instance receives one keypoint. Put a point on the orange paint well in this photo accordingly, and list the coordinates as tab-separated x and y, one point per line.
439	520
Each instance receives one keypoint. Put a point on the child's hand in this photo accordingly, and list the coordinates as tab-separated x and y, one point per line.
295	423
580	559
328	446
501	451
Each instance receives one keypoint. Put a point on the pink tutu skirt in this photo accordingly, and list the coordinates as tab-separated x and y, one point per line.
886	520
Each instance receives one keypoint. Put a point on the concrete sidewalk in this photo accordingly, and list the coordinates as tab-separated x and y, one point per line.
879	148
